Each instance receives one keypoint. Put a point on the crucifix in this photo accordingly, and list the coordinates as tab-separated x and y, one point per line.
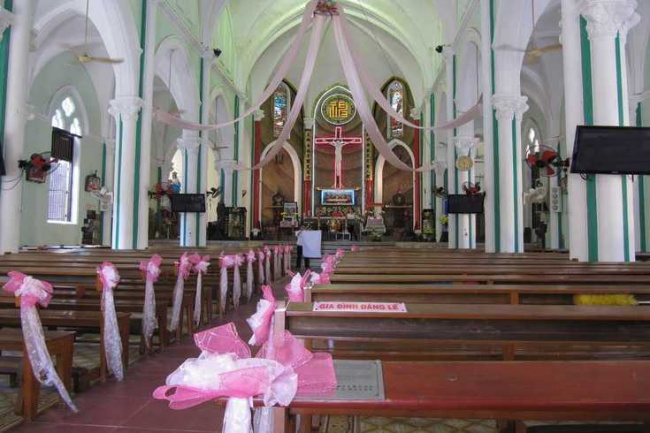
338	142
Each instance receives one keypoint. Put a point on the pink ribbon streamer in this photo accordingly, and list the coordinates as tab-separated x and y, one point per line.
260	322
151	269
184	268
250	278
34	292
281	72
236	281
109	277
261	277
201	265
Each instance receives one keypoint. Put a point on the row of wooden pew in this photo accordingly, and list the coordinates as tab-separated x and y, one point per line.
76	308
495	336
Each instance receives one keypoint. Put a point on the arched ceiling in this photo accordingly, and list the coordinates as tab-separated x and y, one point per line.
405	31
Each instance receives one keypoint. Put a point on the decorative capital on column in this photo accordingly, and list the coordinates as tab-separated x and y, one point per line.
521	109
258	115
465	143
605	18
308	122
509	105
125	107
6	19
191	144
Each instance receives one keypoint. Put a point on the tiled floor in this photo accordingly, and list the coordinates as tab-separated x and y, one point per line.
127	407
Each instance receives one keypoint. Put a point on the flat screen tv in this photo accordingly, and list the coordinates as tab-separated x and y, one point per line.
611	150
465	203
188	203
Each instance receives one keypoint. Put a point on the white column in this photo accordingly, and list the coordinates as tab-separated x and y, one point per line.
510	200
147	126
574	116
518	175
125	110
189	144
206	64
109	180
606	20
488	164
451	154
15	121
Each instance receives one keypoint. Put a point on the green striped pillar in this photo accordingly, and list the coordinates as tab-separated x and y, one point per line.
235	173
198	229
495	138
4	71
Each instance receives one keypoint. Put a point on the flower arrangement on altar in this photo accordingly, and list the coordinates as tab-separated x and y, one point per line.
160	190
444	220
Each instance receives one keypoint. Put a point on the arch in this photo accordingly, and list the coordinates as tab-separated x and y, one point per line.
281	107
115	24
379	173
297	171
60	95
171	55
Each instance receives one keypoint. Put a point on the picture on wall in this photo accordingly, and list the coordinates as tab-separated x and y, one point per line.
337	197
93	182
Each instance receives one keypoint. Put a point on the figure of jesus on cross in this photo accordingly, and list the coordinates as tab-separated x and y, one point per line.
338	142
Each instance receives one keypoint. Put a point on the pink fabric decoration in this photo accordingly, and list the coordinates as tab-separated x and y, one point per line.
151	269
222	339
250	277
267	265
220	371
225	262
260	322
296	288
355	248
184	268
34	292
201	265
261	278
109	278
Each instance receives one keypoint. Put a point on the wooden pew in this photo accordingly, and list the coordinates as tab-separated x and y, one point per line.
60	344
467	294
486	332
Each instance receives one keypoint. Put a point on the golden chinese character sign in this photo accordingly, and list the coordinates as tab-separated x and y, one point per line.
338	109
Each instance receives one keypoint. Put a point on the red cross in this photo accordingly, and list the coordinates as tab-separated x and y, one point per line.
331	141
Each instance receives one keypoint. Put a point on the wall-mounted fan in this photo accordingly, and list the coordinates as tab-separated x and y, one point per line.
545	160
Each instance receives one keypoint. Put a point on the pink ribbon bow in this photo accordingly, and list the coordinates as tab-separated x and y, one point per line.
250	256
340	253
260	322
108	275
296	288
201	264
30	290
355	248
152	267
184	266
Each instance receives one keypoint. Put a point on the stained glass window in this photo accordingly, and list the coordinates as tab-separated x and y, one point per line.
396	99
280	109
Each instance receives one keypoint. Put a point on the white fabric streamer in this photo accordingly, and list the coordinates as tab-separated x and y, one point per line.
250	278
267	266
112	337
236	282
223	288
39	357
179	288
149	321
261	278
201	267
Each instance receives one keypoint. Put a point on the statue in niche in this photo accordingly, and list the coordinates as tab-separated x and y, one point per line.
175	183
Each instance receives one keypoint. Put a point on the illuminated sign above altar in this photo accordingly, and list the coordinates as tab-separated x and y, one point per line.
338	109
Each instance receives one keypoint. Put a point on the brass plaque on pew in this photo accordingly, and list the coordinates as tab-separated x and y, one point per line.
356	380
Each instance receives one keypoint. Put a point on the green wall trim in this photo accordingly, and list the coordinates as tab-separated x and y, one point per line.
118	190
621	122
515	180
642	195
252	178
185	183
588	103
197	236
138	130
432	149
495	141
235	173
103	174
4	71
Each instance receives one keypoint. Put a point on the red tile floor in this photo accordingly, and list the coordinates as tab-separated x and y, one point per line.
127	407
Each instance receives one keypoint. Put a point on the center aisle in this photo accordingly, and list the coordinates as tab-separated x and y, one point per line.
128	407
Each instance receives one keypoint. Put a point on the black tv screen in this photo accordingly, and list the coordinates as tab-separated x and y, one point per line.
465	203
188	203
611	150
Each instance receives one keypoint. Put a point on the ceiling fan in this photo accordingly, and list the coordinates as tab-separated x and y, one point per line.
532	55
87	58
